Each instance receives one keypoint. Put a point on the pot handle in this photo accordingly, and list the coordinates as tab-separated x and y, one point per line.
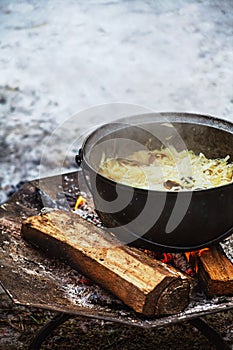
79	159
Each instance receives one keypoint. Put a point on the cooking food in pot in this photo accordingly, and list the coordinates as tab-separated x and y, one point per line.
168	169
189	211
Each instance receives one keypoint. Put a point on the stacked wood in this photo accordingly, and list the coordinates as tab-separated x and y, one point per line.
148	286
216	271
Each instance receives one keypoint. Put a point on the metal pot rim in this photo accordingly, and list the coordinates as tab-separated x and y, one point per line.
207	120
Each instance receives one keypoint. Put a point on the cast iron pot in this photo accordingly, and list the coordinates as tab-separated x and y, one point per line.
161	220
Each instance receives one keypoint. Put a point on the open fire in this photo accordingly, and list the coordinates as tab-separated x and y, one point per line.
54	285
217	274
192	257
179	260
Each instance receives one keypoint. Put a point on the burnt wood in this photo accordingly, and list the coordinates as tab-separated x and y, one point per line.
148	286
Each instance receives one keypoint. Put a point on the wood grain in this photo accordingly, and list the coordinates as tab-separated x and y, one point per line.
148	286
216	271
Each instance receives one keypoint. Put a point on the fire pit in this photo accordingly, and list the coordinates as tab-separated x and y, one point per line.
31	278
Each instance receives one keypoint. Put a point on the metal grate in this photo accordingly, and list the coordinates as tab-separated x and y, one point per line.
31	278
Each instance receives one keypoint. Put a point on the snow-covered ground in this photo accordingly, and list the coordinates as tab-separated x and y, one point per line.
63	58
60	59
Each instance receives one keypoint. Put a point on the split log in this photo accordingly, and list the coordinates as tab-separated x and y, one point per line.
216	271
148	286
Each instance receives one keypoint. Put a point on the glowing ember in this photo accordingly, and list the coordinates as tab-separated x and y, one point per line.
178	260
167	257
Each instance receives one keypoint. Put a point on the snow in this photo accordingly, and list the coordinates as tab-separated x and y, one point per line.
59	60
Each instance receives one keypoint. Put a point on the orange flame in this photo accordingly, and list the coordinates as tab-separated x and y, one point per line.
192	257
80	201
164	257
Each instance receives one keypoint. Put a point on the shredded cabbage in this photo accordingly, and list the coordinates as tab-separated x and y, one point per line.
168	169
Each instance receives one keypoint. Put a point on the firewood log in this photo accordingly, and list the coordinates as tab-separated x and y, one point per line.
216	271
148	286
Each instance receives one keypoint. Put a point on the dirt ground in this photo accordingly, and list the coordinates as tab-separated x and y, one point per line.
19	325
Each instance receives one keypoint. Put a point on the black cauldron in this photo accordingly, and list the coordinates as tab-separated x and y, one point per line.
161	220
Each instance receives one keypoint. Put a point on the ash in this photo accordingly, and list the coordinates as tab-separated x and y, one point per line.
170	56
69	80
90	296
34	279
227	246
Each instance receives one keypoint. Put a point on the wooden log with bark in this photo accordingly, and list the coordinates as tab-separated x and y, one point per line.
216	271
148	286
